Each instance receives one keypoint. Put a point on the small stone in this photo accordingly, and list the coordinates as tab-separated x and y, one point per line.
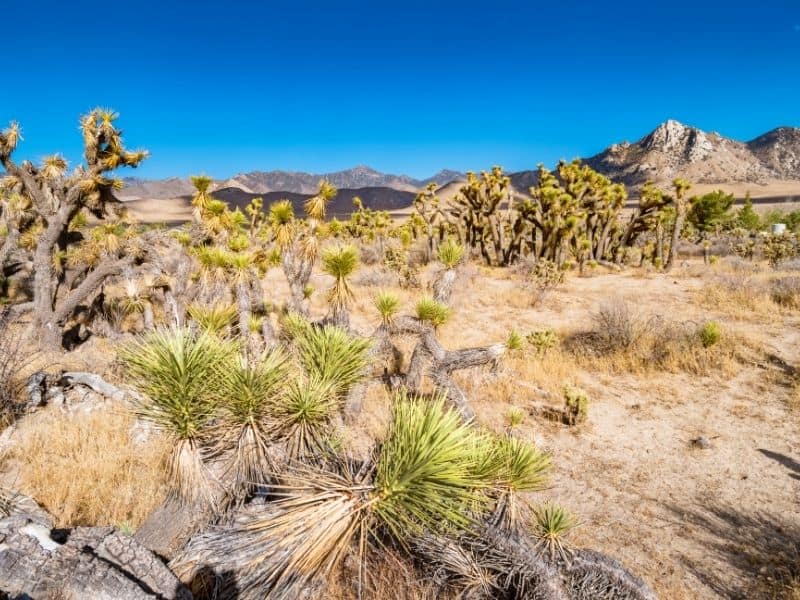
701	442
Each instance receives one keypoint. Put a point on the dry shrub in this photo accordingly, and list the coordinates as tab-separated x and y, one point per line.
739	294
375	277
371	254
16	362
785	291
86	470
624	340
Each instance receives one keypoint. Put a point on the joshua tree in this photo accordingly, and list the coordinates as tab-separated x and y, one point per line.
427	206
299	241
57	198
450	255
681	204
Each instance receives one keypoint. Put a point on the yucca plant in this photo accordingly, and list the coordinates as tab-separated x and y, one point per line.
215	319
248	391
433	312
177	371
514	341
450	254
332	356
518	467
294	326
387	305
340	263
551	524
425	473
302	416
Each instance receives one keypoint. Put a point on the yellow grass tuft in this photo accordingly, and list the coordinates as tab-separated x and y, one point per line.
86	470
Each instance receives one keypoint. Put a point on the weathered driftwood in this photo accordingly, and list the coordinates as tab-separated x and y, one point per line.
85	562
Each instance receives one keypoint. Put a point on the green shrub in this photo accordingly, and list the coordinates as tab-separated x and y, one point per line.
709	334
576	405
542	340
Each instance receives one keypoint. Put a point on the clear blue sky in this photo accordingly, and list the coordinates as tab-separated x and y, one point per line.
407	86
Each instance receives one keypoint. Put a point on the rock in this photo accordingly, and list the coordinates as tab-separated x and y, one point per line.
701	442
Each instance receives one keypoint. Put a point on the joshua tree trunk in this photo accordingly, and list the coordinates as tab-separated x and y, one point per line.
660	242
443	286
297	269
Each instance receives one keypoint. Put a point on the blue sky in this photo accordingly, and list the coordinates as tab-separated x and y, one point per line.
407	87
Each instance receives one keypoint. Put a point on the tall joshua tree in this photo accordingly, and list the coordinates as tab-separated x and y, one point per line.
681	203
58	197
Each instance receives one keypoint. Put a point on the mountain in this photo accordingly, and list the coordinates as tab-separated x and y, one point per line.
178	209
677	150
262	182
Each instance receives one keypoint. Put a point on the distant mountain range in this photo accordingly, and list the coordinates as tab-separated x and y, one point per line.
264	182
768	165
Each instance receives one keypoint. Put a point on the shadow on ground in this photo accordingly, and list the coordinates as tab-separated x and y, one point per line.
754	556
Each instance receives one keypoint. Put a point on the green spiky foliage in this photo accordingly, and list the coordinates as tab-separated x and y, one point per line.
433	312
428	469
425	475
515	416
514	341
387	305
543	340
576	404
551	525
340	263
249	390
177	371
450	254
709	334
517	467
432	219
332	356
216	319
294	326
281	219
302	416
364	223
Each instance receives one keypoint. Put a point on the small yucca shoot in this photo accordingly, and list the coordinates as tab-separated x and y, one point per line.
255	323
519	467
709	334
551	525
515	416
514	341
450	254
177	370
308	291
340	263
332	356
388	305
214	319
433	312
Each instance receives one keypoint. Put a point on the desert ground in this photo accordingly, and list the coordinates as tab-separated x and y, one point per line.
708	518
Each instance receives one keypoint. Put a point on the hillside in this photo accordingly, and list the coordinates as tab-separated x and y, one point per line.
677	150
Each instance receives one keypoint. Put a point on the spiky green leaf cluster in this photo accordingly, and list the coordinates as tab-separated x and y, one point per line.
177	370
387	305
428	469
433	312
332	356
451	253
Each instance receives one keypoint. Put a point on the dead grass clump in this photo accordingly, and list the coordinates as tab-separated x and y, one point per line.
375	277
785	291
624	340
740	295
86	470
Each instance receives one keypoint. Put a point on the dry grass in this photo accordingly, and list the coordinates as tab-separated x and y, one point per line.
86	470
625	340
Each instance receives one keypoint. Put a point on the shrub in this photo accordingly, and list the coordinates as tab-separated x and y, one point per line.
551	524
16	356
785	291
450	254
542	340
576	405
545	277
710	334
618	326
